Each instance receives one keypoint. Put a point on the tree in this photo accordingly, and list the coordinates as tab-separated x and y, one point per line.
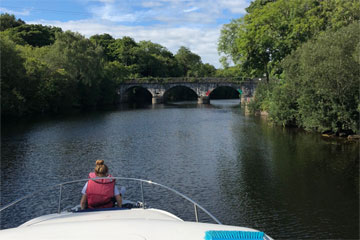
257	4
227	42
9	21
282	104
207	70
81	61
157	61
13	101
154	49
233	71
104	40
124	50
190	62
36	75
34	35
325	74
271	31
114	74
45	90
127	52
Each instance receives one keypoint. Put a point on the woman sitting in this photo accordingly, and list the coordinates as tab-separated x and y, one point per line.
98	193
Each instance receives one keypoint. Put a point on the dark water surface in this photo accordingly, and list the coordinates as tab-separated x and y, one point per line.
287	183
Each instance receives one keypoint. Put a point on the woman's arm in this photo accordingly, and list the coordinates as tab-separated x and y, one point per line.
83	202
118	200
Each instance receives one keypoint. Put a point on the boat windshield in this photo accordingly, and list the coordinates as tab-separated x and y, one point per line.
145	193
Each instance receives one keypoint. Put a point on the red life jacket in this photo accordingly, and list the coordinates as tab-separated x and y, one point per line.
100	192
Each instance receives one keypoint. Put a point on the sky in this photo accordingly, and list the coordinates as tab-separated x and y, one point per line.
195	24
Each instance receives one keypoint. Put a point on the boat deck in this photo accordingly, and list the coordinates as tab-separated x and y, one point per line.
130	224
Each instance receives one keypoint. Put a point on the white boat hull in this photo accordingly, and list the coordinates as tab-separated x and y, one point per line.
127	224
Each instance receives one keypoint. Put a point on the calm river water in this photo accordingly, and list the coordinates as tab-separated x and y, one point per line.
287	183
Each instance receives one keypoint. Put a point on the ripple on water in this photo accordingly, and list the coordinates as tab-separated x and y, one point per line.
287	183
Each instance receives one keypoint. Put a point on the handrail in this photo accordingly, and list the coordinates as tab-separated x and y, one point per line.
60	185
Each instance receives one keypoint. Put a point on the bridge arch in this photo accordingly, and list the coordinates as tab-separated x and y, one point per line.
179	93
224	92
202	87
136	94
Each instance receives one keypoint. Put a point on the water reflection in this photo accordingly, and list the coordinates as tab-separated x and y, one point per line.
288	183
294	180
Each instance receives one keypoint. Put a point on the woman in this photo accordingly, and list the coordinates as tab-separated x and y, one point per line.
98	193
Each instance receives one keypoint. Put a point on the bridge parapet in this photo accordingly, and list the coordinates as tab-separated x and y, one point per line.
164	80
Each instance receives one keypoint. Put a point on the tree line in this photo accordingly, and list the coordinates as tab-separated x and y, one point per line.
44	69
308	53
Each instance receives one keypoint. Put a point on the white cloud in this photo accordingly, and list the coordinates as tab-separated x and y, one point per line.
107	1
167	11
191	9
200	41
235	6
171	23
112	12
151	4
25	12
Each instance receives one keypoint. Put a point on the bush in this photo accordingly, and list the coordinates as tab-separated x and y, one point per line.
323	74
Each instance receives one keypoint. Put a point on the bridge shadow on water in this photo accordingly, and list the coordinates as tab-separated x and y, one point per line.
216	103
138	97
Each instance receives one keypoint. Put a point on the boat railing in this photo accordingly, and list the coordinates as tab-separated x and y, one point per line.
141	183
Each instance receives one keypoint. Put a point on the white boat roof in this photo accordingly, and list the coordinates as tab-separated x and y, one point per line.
129	224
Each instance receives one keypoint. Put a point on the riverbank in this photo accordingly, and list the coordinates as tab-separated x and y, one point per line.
346	135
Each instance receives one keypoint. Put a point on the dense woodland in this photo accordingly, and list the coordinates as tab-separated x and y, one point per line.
308	52
44	69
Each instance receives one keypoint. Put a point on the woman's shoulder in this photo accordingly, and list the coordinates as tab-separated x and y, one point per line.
92	175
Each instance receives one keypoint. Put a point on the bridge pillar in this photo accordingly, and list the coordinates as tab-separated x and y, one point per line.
203	100
157	99
245	100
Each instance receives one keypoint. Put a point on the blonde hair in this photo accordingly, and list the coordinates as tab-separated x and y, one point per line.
101	169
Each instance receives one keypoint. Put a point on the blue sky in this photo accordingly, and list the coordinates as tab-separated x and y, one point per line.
195	24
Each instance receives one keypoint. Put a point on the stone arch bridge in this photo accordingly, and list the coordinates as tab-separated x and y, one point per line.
203	87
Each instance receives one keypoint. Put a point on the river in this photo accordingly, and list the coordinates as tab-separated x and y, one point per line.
286	182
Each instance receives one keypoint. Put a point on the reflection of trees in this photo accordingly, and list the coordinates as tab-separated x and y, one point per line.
245	179
284	178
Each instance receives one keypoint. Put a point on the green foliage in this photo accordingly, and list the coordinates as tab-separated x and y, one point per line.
82	61
227	42
257	4
34	35
157	61
35	73
234	71
328	79
13	101
78	56
144	58
114	74
9	21
104	41
313	47
189	62
263	94
282	105
207	70
320	89
46	70
116	71
273	29
124	50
